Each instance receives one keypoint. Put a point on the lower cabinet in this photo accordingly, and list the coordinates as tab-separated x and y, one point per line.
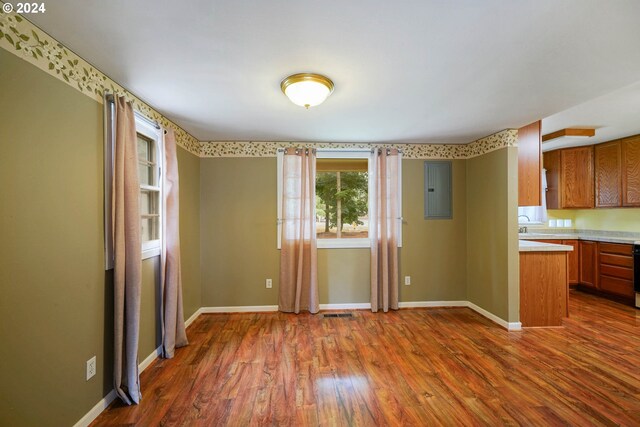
615	269
588	264
573	261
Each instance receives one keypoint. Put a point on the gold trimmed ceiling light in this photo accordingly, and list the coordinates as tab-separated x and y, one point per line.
307	89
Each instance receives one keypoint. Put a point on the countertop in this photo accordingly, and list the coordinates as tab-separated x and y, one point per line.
597	236
530	246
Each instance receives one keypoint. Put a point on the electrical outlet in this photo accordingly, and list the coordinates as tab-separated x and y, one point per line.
91	368
269	283
407	280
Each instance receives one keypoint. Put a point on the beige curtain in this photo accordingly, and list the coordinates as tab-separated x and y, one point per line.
173	329
383	230
127	254
298	255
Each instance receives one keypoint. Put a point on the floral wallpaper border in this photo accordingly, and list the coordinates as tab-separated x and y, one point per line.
25	40
505	138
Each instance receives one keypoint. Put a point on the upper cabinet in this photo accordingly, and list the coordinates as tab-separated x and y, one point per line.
631	171
570	179
605	175
608	158
529	165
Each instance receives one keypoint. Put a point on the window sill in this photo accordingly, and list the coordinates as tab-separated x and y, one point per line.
343	243
150	252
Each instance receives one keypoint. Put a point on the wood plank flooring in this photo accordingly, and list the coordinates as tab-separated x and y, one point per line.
434	366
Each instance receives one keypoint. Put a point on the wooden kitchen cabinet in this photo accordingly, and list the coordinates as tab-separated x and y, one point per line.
617	173
615	269
530	165
588	256
551	162
570	178
630	148
608	176
573	261
576	177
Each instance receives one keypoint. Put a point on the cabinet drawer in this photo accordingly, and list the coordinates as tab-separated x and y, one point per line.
616	248
619	272
616	286
620	260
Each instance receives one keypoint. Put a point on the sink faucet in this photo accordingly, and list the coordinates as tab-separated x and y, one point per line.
522	230
528	219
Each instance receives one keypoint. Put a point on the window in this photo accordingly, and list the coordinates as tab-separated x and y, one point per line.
342	199
149	173
150	167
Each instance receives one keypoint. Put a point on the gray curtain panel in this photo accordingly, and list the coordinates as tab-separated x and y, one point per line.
383	232
173	329
298	255
127	254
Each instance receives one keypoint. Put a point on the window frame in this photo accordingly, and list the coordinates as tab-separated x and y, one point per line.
148	129
338	153
152	131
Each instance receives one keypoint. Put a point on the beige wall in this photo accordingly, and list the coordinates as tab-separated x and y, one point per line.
56	298
492	242
238	225
434	251
620	219
189	170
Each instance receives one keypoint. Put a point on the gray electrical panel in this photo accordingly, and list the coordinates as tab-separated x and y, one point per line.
437	190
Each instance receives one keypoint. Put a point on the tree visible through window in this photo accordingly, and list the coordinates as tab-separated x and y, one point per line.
342	198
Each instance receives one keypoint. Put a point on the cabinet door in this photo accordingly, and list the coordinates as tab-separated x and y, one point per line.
576	177
631	171
529	165
588	263
551	160
608	180
573	261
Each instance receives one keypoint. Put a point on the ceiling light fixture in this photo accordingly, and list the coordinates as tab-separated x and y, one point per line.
569	133
307	89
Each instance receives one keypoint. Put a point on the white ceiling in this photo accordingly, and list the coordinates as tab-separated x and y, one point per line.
614	116
414	71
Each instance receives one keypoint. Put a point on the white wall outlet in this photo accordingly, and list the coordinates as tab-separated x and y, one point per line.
91	368
269	283
407	280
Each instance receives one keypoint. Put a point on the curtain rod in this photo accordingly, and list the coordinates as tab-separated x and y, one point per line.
109	97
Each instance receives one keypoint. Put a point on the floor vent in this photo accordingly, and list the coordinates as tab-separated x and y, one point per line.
338	315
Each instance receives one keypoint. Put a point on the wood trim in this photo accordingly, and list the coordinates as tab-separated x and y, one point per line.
568	132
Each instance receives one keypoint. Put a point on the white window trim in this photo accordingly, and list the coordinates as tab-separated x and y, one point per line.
145	127
338	243
148	128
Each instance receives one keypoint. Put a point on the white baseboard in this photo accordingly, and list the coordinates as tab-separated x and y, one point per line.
421	304
240	309
509	326
96	410
193	317
149	360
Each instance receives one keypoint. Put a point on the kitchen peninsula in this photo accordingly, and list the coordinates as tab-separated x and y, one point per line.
544	286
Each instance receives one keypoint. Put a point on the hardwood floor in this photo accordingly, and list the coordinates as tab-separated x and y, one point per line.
435	366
